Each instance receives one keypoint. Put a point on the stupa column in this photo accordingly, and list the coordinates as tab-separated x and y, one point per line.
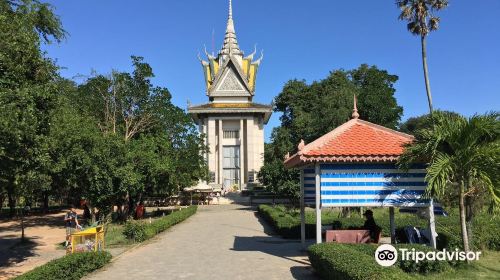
220	165
212	151
250	143
242	154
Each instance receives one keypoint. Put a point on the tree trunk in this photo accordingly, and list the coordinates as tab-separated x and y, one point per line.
469	217
45	202
345	212
426	73
131	207
465	238
22	226
2	199
92	211
469	212
12	201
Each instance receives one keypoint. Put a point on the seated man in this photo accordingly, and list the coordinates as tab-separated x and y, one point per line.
371	226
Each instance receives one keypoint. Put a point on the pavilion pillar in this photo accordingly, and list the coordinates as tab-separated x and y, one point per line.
318	203
392	225
302	211
432	223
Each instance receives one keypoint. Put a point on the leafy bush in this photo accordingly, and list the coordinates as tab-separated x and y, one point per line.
342	261
409	266
135	230
143	230
286	223
70	267
424	266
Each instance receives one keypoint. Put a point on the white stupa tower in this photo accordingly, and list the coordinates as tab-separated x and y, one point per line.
231	122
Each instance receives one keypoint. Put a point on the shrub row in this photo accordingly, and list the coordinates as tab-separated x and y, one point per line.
70	267
143	230
357	261
286	223
409	266
341	261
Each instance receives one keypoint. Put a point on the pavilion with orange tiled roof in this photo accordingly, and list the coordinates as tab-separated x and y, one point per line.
354	165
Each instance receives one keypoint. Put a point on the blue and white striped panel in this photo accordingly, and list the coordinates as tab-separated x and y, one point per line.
372	185
309	186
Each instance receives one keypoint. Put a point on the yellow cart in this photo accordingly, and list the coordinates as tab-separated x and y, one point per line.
91	239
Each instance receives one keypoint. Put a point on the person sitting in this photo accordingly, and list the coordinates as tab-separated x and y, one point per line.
371	226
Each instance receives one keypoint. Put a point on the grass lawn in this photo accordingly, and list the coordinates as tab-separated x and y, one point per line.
487	267
486	227
381	215
114	236
486	233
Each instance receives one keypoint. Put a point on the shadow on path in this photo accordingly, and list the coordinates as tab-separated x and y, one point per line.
31	221
18	253
275	246
268	229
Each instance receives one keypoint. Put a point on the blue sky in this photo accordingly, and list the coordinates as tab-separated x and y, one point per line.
301	39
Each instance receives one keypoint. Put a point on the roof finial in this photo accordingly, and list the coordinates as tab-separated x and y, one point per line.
230	45
355	114
301	145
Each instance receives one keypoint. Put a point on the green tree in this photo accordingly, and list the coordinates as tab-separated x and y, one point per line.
85	160
109	140
274	175
157	148
413	124
463	154
27	95
421	21
309	111
375	94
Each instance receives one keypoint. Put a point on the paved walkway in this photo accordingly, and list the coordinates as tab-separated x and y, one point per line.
219	242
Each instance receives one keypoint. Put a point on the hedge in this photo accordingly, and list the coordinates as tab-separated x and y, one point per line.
286	223
340	261
409	266
70	267
143	230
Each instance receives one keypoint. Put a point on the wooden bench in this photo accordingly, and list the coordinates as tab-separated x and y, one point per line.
349	236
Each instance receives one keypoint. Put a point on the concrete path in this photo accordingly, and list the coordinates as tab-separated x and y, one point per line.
219	242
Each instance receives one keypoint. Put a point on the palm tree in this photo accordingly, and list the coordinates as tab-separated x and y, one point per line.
421	21
463	154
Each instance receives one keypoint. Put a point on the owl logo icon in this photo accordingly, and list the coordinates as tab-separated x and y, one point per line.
386	255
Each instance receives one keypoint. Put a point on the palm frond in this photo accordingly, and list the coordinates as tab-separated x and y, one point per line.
440	172
439	4
433	23
419	15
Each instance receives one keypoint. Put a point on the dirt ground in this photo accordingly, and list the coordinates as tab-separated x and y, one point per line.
43	232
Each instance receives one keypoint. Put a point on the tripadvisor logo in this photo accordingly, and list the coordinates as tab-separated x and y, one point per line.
387	255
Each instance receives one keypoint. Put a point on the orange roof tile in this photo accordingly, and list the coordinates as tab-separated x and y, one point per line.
354	141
